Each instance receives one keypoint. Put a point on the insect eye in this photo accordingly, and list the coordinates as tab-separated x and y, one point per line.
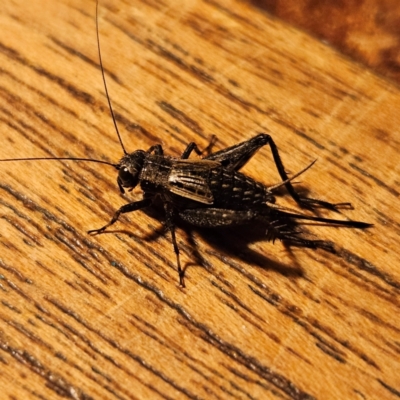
126	178
124	174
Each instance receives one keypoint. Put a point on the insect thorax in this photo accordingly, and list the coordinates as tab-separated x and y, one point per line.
155	172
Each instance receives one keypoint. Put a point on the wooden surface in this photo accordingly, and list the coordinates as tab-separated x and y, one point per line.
366	30
103	317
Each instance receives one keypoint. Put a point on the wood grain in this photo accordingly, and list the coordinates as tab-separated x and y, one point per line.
103	317
366	30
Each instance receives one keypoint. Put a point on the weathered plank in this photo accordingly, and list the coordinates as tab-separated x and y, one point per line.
103	317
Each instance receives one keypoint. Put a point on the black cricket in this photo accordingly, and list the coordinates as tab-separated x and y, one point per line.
211	192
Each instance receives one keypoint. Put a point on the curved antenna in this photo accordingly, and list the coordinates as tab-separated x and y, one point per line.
60	158
104	79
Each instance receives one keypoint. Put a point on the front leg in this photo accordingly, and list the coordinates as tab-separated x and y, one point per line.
137	205
192	146
157	149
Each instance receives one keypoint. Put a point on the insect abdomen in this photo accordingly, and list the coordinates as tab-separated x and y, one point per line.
234	190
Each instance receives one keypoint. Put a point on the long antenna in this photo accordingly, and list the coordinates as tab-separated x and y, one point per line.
60	158
104	78
111	111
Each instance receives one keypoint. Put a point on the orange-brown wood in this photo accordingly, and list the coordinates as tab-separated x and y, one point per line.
365	30
103	316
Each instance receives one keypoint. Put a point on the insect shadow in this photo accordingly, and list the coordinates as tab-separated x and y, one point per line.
234	244
211	192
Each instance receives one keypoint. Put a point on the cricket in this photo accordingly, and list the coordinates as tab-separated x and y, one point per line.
211	191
